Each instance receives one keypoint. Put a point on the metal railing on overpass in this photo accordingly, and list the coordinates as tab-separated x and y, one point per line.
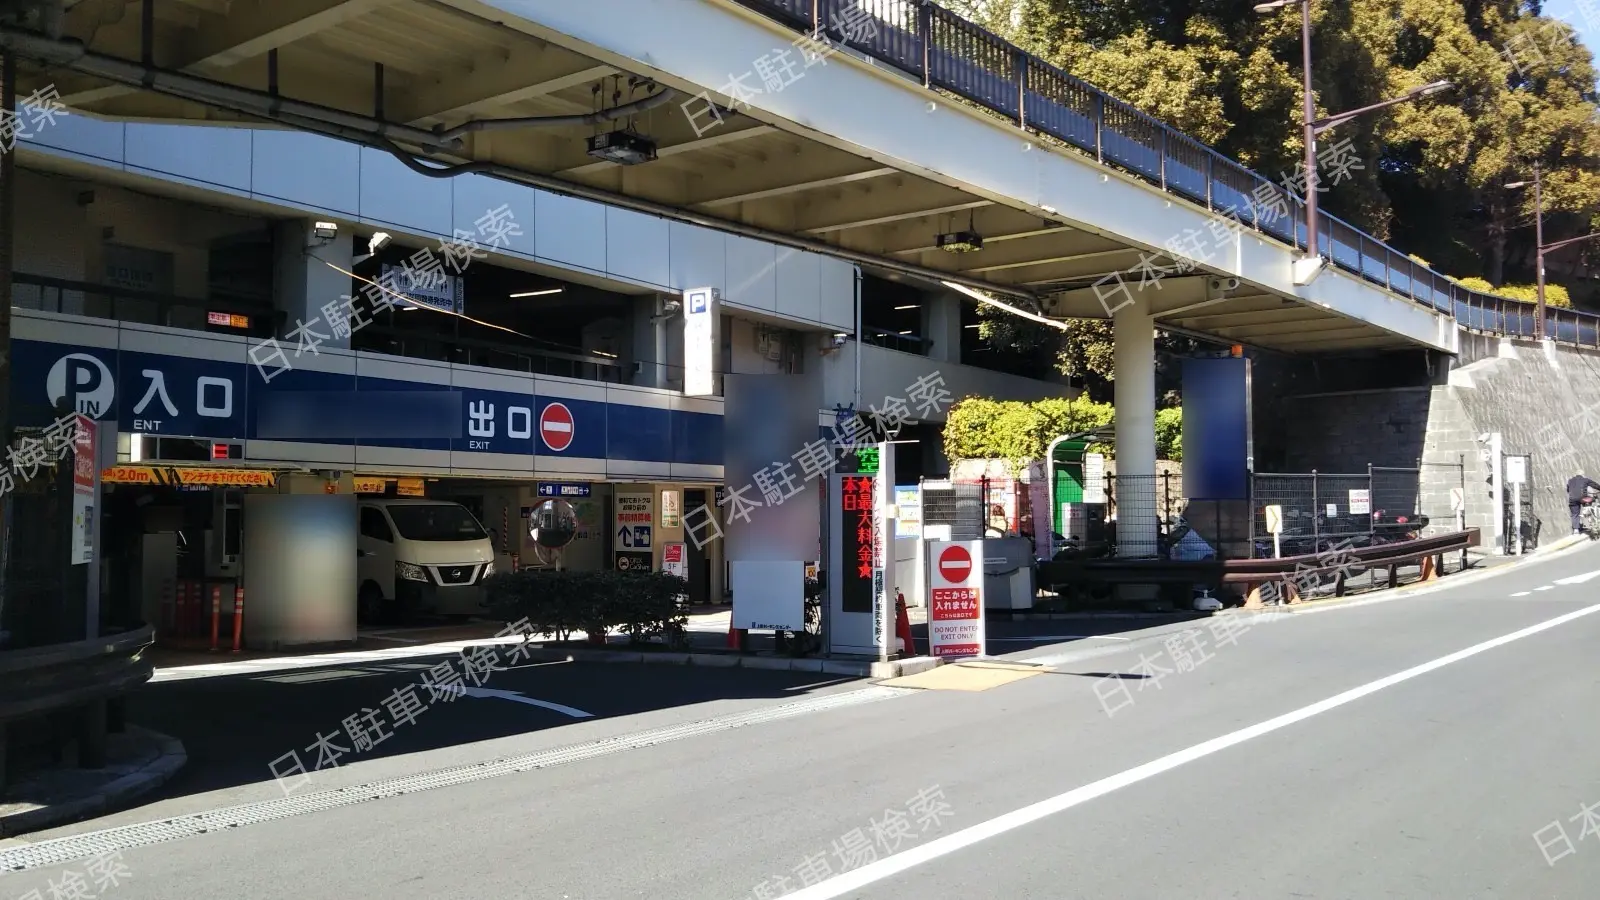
949	53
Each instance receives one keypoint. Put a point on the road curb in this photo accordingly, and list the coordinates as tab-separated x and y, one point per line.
172	757
725	661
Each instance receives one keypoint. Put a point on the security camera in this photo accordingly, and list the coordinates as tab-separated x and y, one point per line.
1224	284
836	341
671	306
378	242
326	230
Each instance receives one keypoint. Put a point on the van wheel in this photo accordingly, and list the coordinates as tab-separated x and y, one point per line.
369	605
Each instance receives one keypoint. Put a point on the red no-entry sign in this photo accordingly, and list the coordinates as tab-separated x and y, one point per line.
955	564
555	427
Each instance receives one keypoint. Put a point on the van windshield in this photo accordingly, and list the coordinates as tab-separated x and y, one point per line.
435	522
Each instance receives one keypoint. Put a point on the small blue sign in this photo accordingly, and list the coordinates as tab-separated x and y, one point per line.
563	489
634	536
698	301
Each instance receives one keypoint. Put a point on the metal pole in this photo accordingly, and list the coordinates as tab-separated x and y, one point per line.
8	203
856	407
1516	515
1538	240
1310	115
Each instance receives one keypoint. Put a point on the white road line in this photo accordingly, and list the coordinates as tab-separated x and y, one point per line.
1522	593
856	879
1579	579
1548	587
1060	637
519	697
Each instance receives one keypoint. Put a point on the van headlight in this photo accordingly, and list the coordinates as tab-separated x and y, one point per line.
410	572
488	569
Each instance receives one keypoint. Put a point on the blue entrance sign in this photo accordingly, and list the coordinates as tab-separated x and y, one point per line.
193	389
563	489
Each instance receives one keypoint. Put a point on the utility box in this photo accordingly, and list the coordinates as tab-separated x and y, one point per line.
1008	574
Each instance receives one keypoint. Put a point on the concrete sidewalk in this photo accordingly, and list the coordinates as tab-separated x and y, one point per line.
137	761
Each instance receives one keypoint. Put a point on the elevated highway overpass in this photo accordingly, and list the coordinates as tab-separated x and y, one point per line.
864	128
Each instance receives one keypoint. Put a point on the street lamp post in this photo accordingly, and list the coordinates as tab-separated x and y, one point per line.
1541	248
1312	126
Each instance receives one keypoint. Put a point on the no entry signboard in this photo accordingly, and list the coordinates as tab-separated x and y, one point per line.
955	598
555	427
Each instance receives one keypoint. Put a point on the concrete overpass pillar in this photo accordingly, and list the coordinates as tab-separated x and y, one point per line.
1134	351
308	281
942	326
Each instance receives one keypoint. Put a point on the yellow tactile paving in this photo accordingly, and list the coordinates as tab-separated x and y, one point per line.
965	676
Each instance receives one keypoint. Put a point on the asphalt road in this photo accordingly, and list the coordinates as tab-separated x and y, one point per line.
1425	747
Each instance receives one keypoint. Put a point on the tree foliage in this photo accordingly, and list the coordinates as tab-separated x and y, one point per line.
1554	294
1431	176
1017	432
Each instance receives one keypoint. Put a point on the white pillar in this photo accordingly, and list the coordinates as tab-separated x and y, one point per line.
307	279
1134	349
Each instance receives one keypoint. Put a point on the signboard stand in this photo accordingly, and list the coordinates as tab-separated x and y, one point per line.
1516	476
633	532
955	599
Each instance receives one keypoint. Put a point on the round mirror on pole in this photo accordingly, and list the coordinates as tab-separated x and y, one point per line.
553	525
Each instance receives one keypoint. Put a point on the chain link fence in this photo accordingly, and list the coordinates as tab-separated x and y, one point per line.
957	505
1318	512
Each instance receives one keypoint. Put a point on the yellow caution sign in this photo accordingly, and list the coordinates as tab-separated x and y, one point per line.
409	487
1274	519
179	476
368	485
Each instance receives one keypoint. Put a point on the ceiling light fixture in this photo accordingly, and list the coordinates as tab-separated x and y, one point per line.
537	293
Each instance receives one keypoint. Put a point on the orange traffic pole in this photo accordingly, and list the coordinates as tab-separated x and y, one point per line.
238	616
216	613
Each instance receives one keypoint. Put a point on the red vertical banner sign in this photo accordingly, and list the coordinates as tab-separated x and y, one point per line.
856	499
84	472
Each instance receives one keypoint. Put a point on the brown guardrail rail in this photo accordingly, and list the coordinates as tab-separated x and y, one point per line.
56	676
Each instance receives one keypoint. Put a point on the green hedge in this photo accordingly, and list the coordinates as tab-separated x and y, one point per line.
980	428
638	604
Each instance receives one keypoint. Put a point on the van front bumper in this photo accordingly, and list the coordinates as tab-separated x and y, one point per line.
415	597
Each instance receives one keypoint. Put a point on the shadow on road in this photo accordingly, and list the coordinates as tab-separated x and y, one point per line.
252	727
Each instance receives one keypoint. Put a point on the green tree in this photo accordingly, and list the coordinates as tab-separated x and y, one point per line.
1169	434
1017	432
1429	175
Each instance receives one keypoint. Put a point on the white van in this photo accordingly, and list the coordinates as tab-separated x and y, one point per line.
420	556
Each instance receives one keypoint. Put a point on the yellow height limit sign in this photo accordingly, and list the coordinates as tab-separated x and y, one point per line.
181	476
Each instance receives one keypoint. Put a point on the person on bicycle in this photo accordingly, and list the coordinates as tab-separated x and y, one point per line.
1578	486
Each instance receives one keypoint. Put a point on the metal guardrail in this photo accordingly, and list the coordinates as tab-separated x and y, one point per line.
949	53
1254	572
58	676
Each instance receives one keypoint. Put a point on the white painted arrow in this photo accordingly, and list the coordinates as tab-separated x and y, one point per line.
517	697
1579	579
